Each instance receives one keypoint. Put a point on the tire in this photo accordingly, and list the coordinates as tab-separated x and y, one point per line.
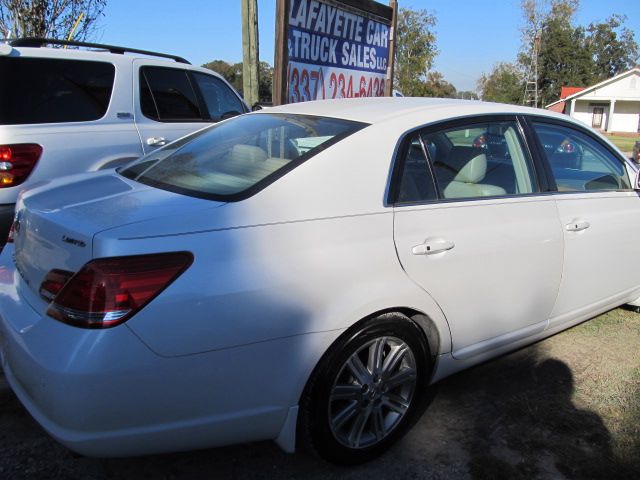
355	407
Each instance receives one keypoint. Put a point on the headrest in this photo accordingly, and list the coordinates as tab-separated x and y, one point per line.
248	153
469	162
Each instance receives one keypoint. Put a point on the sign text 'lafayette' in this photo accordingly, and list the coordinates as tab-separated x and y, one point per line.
334	52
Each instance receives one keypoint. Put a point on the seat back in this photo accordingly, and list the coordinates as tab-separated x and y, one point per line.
468	166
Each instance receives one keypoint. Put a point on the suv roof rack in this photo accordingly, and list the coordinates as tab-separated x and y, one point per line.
38	42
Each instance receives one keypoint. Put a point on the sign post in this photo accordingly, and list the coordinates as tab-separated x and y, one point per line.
333	49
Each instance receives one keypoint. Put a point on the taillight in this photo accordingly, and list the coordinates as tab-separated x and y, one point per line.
17	162
108	291
53	283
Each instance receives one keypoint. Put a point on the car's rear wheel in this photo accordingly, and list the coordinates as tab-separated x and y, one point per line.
367	391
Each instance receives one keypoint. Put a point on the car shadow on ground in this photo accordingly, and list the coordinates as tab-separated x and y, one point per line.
509	418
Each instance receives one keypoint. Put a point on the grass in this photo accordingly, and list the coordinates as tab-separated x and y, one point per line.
623	142
608	379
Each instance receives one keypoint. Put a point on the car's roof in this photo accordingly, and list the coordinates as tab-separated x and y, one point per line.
90	54
104	55
382	109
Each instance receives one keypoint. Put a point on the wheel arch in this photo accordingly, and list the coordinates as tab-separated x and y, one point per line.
430	339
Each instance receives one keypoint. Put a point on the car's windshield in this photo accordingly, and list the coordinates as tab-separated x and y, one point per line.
234	159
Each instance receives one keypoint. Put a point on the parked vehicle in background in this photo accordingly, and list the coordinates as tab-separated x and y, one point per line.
66	111
306	272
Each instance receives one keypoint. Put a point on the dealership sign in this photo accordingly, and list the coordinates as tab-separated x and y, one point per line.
334	50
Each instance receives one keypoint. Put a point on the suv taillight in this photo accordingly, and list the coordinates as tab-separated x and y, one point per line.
108	291
17	162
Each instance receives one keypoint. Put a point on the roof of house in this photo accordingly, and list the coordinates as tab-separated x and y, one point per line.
566	91
586	90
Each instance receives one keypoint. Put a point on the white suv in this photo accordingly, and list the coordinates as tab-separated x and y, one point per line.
65	111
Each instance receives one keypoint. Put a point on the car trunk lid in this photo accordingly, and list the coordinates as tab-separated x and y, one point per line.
55	226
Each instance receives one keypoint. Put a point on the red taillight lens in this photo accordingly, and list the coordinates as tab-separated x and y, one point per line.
108	291
53	283
17	162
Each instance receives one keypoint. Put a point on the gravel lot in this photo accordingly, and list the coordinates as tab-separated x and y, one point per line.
567	407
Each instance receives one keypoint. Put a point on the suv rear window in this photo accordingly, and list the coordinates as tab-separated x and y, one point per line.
237	158
46	90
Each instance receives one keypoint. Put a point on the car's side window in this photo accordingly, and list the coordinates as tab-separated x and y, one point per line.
166	95
416	183
221	102
578	161
480	160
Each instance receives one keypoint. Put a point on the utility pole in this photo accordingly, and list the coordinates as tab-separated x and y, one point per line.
392	48
250	51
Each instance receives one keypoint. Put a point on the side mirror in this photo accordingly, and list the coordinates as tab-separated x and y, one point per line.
256	106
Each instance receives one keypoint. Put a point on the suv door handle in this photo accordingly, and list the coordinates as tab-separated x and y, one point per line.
432	246
156	141
577	225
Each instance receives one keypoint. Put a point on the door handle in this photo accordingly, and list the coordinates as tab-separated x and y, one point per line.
577	225
156	141
432	246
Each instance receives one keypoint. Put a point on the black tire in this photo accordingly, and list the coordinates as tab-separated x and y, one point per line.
362	426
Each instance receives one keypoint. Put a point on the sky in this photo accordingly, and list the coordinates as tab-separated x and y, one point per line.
472	35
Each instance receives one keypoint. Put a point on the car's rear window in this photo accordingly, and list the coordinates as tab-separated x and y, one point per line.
239	157
46	90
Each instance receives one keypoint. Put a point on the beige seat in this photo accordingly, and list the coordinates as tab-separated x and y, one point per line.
466	182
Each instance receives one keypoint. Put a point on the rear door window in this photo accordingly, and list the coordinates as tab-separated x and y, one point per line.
480	160
166	95
45	90
416	182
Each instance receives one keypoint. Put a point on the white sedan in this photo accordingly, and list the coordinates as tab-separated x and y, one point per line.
305	273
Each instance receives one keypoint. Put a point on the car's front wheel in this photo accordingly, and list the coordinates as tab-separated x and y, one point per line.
367	391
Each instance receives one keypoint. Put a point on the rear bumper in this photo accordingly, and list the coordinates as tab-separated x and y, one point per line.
105	393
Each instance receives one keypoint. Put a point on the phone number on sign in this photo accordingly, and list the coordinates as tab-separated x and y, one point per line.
305	85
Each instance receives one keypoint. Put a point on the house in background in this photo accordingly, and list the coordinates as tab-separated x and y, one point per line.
612	105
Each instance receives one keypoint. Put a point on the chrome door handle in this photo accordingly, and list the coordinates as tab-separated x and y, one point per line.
577	225
432	246
156	141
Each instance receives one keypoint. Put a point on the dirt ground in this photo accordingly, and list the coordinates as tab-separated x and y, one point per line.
567	407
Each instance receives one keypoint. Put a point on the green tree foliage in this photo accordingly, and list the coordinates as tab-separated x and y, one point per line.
415	51
571	54
49	18
437	86
612	47
232	73
505	84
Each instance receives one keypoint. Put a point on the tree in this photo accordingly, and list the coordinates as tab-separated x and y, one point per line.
505	84
415	51
50	18
572	54
437	86
612	46
232	73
